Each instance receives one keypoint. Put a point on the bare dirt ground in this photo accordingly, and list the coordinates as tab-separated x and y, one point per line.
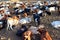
55	33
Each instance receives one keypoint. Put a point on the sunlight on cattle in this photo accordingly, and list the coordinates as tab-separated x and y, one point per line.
1	24
27	35
12	21
15	20
57	2
17	5
52	9
41	26
52	2
25	20
55	24
41	3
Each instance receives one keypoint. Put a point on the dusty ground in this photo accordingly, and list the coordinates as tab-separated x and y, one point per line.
55	33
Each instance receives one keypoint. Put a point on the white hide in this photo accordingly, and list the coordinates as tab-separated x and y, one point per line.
34	7
56	24
7	5
52	2
1	8
17	5
40	11
22	21
1	22
7	12
41	3
52	9
33	29
57	2
3	5
41	26
25	20
21	10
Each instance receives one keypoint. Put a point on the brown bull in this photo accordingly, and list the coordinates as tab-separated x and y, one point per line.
44	35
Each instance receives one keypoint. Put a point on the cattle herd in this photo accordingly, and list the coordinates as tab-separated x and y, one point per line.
22	13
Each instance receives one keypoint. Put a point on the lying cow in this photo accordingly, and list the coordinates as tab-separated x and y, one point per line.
25	20
21	30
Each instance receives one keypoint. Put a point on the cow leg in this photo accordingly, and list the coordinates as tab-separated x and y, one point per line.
38	21
7	26
11	27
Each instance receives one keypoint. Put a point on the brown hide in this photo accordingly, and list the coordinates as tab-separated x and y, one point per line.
25	14
45	35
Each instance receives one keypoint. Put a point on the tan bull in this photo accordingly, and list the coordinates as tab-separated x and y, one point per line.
12	21
27	35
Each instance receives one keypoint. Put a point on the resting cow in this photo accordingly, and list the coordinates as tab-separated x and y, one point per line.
21	30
